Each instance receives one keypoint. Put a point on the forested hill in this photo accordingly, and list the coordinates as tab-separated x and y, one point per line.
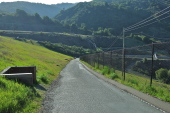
32	8
137	1
113	16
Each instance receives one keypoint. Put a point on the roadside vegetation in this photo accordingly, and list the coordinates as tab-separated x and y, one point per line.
15	96
67	50
73	51
158	89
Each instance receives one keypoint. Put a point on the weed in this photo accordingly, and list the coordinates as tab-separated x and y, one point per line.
113	76
14	96
150	90
43	78
96	66
167	98
112	70
133	81
106	70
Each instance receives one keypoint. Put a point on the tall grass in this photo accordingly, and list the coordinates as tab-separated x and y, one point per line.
15	97
106	70
109	72
142	84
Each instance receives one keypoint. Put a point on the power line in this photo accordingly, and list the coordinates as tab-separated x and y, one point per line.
146	24
163	2
113	42
147	20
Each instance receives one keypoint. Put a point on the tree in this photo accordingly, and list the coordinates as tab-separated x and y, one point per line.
73	28
163	75
47	20
37	17
21	13
83	26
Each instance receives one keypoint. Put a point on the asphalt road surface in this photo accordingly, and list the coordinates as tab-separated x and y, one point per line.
79	91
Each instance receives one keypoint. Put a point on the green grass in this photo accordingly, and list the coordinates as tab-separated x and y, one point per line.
106	70
158	90
113	76
43	78
16	97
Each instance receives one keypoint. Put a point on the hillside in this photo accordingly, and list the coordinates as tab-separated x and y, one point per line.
77	40
32	8
112	17
23	21
18	97
16	53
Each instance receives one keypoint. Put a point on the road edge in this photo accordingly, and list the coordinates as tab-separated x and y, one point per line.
155	102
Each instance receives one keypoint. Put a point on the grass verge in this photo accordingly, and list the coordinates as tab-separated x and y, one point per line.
16	97
158	90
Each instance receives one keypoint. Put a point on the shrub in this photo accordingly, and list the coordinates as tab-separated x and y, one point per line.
168	79
106	70
144	60
138	63
97	67
113	76
162	75
112	70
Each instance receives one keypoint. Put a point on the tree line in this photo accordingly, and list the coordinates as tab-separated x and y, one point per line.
108	17
21	20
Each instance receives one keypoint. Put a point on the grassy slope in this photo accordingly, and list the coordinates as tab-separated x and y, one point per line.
16	53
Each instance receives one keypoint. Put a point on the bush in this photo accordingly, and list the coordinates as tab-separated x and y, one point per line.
112	70
144	60
113	76
163	75
106	70
97	67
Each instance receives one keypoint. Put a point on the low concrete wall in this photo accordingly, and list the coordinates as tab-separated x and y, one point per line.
24	77
26	74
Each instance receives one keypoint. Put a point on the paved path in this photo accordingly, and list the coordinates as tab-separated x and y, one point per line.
79	91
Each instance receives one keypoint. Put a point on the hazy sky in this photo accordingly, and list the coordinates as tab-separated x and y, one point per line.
48	1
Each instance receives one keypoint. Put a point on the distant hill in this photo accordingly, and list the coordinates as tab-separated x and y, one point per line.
32	8
101	15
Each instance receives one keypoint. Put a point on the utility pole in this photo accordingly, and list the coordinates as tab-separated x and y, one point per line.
152	72
123	56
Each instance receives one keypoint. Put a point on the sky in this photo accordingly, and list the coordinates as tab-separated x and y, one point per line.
48	1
